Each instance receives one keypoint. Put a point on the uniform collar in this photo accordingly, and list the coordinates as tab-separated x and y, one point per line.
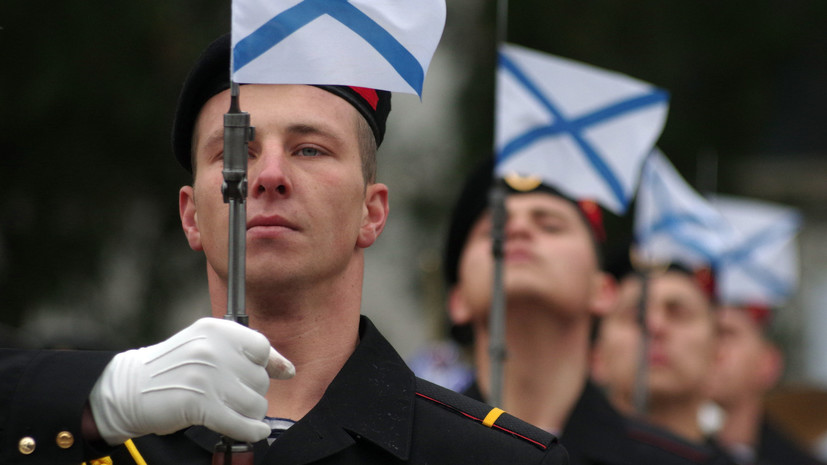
665	442
594	421
371	399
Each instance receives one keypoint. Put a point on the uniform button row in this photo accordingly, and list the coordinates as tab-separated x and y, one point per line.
64	439
27	444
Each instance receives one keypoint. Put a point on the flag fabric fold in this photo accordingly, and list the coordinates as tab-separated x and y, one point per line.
584	130
762	267
379	44
675	224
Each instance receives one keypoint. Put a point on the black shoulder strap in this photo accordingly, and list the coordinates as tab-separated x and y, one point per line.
491	417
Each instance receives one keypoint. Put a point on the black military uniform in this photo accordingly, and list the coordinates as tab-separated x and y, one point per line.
374	411
42	397
597	434
776	448
658	444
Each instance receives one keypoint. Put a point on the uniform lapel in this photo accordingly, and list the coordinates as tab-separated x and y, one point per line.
371	399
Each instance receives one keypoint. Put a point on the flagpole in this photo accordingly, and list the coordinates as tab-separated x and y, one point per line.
237	134
502	21
641	390
643	268
496	341
706	172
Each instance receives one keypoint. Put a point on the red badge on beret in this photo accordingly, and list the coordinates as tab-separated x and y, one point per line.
761	314
594	216
369	95
706	281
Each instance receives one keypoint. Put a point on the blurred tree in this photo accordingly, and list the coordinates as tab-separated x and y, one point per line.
88	92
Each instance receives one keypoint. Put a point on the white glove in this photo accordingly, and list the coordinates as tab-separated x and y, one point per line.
213	373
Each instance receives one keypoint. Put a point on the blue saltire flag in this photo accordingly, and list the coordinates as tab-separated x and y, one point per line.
380	44
583	130
762	267
675	224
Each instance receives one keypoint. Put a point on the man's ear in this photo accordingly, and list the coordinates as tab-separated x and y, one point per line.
374	214
458	309
604	294
771	366
189	217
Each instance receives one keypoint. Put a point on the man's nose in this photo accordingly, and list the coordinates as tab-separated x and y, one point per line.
270	172
516	226
655	319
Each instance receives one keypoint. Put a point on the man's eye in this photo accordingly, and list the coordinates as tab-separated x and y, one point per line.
679	311
551	225
309	152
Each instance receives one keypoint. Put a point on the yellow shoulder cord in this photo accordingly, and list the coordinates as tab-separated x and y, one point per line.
492	417
133	451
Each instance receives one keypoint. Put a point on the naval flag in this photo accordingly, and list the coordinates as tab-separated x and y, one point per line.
583	130
379	44
762	266
673	223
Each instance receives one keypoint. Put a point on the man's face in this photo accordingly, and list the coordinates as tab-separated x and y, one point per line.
308	209
550	261
743	355
681	325
682	338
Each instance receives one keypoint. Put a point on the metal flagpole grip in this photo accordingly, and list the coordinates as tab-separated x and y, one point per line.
229	452
237	134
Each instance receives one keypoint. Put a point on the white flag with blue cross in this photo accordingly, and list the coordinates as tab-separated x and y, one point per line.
379	44
583	130
762	267
675	224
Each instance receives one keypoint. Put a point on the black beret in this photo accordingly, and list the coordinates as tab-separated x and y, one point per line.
473	201
211	76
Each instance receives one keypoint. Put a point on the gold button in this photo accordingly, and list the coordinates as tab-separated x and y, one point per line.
65	439
26	445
